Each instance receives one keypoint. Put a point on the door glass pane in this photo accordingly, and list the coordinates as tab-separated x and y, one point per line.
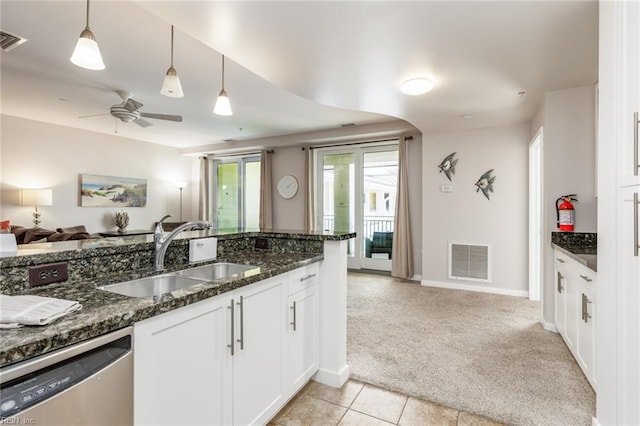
380	177
339	194
252	194
228	201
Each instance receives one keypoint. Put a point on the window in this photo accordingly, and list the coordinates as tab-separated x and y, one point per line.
387	202
373	201
236	192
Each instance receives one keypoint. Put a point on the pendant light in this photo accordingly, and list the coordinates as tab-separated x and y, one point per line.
171	86
87	53
223	107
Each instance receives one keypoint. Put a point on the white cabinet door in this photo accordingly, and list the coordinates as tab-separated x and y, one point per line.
572	298
560	294
182	370
585	353
258	388
629	30
302	338
629	307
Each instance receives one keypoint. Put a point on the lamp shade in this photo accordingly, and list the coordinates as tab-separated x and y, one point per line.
223	106
171	86
87	53
36	197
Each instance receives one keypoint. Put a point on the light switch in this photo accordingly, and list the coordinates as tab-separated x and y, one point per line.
446	188
203	249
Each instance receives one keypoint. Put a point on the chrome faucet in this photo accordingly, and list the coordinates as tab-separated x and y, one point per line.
162	241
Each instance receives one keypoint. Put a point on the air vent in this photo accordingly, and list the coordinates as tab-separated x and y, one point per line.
469	262
10	41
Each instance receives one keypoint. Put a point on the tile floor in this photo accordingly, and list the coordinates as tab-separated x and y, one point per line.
357	403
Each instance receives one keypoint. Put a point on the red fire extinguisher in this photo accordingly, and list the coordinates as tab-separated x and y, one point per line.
565	213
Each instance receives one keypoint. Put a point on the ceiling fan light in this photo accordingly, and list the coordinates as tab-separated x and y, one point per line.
416	86
223	107
171	86
87	53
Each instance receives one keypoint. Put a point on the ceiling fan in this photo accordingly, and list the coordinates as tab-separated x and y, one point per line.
127	111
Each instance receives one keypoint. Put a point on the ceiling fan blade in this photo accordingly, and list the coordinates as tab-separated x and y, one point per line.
93	115
142	123
177	118
132	105
124	95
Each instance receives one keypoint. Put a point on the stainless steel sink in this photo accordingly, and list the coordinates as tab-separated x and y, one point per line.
151	286
216	271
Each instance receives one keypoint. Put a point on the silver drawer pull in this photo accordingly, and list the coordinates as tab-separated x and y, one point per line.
232	345
560	286
294	316
585	309
559	260
307	277
241	339
586	278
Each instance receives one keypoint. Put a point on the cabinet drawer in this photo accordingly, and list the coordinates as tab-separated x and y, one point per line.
304	277
561	260
584	275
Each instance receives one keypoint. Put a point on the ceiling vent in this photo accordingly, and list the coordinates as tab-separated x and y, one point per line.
10	41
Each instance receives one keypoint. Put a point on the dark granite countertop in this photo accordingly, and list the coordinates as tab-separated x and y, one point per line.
103	311
580	246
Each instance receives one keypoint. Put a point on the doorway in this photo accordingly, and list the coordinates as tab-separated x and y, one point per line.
237	188
357	187
535	216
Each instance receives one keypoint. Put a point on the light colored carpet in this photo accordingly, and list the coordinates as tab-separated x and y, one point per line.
482	353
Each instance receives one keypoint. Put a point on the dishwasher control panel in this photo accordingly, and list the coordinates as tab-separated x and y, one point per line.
34	388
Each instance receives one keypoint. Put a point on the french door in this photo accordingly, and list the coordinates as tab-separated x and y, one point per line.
356	192
237	192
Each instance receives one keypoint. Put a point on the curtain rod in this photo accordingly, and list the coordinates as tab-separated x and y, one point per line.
406	138
239	154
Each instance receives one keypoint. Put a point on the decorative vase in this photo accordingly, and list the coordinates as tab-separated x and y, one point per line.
122	221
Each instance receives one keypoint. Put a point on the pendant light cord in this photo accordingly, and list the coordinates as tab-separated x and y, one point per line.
87	14
222	72
172	45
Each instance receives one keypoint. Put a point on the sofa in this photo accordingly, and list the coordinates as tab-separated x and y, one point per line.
42	235
380	242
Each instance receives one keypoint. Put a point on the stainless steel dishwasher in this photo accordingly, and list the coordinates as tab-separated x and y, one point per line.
90	383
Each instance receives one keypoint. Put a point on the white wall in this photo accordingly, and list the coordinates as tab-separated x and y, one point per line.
568	119
465	215
40	155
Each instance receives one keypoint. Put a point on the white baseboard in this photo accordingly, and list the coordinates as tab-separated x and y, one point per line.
548	325
476	288
594	422
335	379
416	278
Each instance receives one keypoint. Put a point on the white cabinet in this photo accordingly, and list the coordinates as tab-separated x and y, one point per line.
303	335
575	309
222	361
258	389
181	366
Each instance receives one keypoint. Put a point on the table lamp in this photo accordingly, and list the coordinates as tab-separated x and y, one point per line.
35	198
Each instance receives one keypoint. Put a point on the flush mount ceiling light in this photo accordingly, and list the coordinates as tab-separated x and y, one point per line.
416	86
223	107
87	53
171	86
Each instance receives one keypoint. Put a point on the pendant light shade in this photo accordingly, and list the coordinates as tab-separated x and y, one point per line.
171	86
223	106
87	53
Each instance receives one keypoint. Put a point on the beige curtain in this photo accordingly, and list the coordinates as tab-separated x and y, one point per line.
402	259
309	194
265	220
204	202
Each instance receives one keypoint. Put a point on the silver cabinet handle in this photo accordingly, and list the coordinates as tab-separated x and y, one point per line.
636	160
559	260
294	316
585	310
586	278
307	277
559	279
241	339
232	345
636	246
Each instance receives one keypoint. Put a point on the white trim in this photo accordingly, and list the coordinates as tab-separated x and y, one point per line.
478	289
335	379
548	325
416	278
595	422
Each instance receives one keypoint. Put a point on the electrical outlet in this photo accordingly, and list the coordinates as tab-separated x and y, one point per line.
262	243
49	273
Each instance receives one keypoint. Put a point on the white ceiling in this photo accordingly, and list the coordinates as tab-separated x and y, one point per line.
293	67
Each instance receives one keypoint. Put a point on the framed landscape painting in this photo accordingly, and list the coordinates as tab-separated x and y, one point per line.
112	191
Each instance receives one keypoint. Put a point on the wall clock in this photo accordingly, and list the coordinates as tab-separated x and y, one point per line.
287	186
